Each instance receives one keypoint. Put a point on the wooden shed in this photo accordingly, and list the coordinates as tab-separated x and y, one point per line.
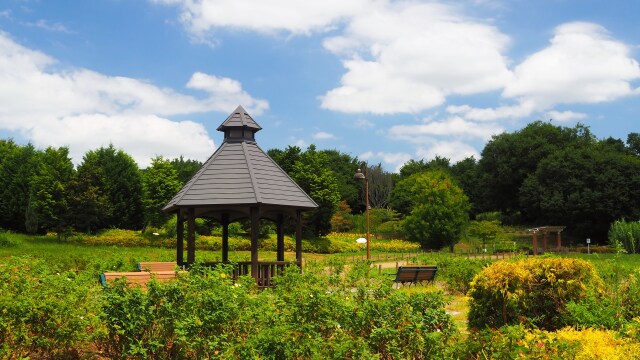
240	181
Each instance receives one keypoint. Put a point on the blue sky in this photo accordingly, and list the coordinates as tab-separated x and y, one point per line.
386	81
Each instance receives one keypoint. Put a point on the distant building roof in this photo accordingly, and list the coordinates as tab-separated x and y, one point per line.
239	173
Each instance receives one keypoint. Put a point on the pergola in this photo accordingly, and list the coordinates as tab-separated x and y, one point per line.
240	181
545	230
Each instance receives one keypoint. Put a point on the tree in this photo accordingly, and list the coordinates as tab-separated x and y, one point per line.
17	166
380	186
49	192
344	166
633	143
440	210
508	159
465	173
313	175
338	221
185	169
286	158
585	188
485	230
112	175
160	184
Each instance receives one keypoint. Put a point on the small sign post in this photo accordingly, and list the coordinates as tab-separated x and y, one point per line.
588	243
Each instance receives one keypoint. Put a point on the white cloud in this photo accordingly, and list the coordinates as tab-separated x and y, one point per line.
453	127
49	26
452	150
322	135
405	57
394	160
202	17
583	64
565	115
84	109
363	124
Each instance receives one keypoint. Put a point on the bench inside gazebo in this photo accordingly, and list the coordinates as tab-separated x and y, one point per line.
240	181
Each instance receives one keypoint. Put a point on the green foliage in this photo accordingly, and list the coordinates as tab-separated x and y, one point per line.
44	313
160	183
440	210
509	158
530	291
485	231
204	315
626	234
17	166
49	191
313	175
185	168
586	188
458	273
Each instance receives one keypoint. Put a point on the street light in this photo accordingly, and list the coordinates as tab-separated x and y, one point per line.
359	176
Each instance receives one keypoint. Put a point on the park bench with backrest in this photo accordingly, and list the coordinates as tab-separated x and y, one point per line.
137	277
415	274
154	266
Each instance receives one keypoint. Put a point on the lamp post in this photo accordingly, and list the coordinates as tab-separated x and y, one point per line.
359	176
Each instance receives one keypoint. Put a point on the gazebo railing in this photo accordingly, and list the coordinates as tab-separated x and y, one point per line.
266	270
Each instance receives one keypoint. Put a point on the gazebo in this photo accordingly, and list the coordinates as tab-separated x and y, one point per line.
240	181
545	230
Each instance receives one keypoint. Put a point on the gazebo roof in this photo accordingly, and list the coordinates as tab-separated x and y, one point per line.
239	175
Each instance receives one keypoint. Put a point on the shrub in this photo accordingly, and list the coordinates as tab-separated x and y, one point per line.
458	273
44	313
7	240
530	291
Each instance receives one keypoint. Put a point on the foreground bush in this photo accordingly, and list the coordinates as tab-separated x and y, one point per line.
518	342
530	291
205	315
45	312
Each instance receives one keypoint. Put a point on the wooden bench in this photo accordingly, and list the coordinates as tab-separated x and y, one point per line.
155	266
137	277
415	274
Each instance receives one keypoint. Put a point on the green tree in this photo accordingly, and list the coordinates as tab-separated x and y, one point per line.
185	168
484	230
49	191
286	158
465	172
114	175
89	203
633	143
313	175
160	184
585	189
440	210
344	166
17	166
509	158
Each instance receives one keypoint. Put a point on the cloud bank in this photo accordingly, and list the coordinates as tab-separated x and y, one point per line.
84	109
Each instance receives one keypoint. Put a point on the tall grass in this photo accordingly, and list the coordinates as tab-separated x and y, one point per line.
627	234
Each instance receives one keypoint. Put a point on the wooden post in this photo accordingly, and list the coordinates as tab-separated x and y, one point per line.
280	238
255	230
179	239
544	239
299	237
535	244
225	238
559	238
191	235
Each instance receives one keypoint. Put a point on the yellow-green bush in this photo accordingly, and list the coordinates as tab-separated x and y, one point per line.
530	291
518	342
